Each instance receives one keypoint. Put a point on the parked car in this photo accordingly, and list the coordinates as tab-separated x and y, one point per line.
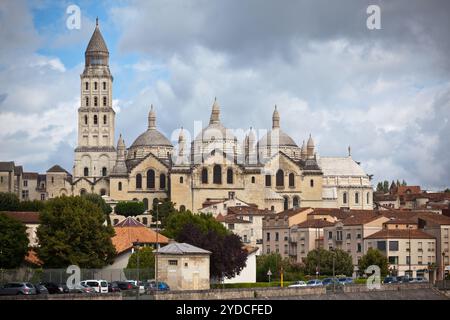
136	284
404	279
64	287
100	286
81	288
113	287
40	289
314	283
331	282
52	287
390	279
419	280
151	286
124	285
18	288
297	284
345	280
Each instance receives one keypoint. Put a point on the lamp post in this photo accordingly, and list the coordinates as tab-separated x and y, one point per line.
136	245
157	244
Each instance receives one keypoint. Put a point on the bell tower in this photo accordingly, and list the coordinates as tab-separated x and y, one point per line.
95	154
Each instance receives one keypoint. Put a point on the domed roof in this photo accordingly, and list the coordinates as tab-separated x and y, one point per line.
151	137
215	130
284	140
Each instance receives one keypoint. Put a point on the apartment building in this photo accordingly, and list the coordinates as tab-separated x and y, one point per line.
277	231
409	250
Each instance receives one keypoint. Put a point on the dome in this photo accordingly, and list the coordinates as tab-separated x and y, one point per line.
284	140
151	137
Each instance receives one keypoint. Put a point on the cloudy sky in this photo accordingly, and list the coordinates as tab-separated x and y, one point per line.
386	92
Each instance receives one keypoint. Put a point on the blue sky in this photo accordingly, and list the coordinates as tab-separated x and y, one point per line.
384	92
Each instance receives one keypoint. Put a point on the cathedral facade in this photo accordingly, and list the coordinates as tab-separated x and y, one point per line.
272	172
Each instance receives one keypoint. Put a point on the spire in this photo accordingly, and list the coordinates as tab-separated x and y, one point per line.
349	151
275	119
181	143
120	167
215	113
310	147
303	151
96	52
151	118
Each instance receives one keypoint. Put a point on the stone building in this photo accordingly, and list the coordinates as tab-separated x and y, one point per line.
271	172
183	266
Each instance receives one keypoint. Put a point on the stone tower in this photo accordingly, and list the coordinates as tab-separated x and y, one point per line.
95	154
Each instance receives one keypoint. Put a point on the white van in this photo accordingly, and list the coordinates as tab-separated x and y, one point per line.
100	286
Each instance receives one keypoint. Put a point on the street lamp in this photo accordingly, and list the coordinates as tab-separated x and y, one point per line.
136	245
157	244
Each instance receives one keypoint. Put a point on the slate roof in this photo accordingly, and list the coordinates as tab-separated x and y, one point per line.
97	43
182	249
7	166
57	168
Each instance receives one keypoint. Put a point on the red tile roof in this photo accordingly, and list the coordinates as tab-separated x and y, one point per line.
26	217
244	210
401	190
400	234
315	223
32	258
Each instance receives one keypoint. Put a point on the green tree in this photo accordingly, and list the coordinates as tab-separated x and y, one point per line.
404	183
130	208
72	231
8	201
101	203
373	257
13	242
447	190
386	186
322	260
34	205
165	209
380	187
146	263
176	221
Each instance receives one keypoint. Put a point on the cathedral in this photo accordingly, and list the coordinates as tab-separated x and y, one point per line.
272	172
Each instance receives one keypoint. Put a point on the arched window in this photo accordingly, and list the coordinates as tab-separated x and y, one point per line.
182	208
357	197
86	171
103	192
104	171
311	183
151	179
268	180
105	118
296	202
291	180
87	101
86	85
119	186
368	197
138	181
217	174
229	176
204	175
95	119
82	192
181	179
145	201
272	208
280	178
104	101
253	180
95	101
286	203
344	197
85	119
162	181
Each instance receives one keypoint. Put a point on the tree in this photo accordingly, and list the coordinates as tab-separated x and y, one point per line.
146	263
101	203
386	186
380	187
373	257
166	208
404	183
13	242
72	232
129	208
34	205
8	201
447	190
206	222
227	258
322	260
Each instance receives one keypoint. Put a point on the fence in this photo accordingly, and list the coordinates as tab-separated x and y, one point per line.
61	275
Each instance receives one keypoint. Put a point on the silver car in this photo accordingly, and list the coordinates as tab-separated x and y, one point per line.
17	288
